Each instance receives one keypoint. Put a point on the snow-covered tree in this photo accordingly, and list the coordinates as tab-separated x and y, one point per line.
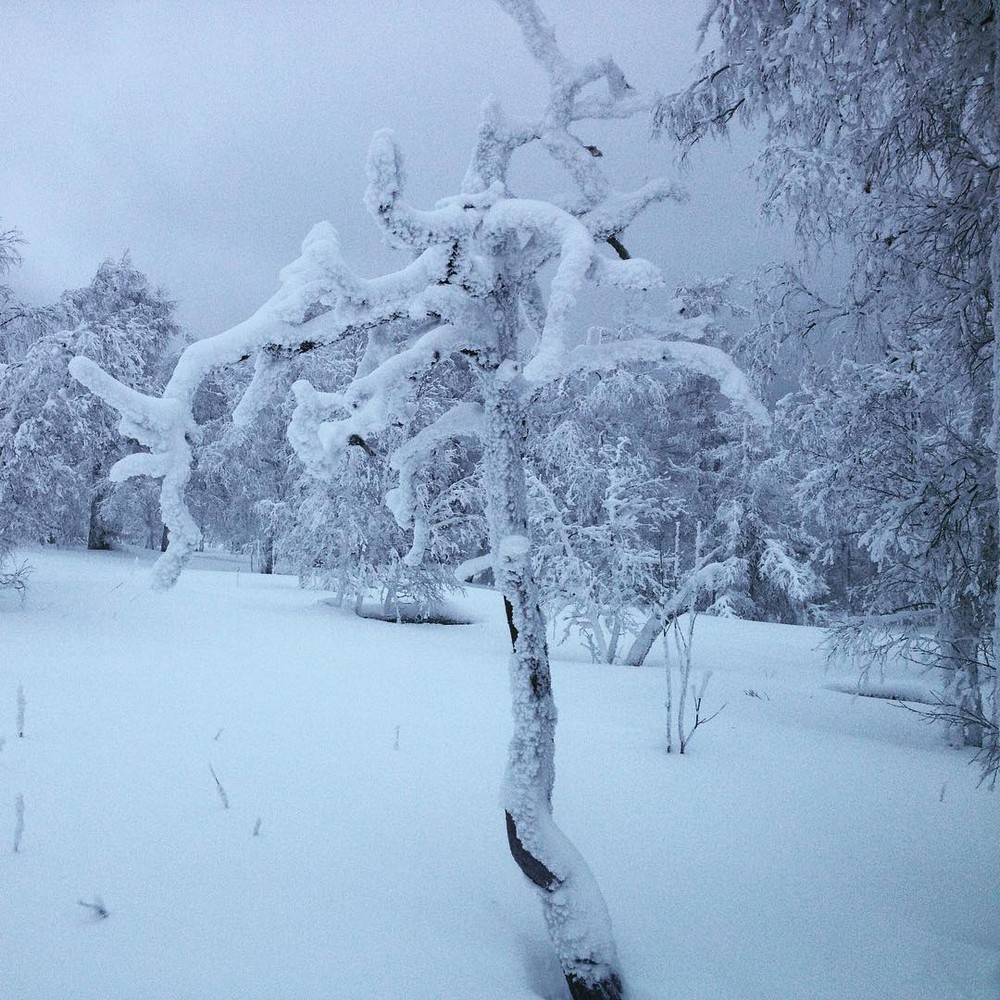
756	529
56	440
11	576
244	473
896	463
882	132
624	457
472	292
338	535
10	257
600	501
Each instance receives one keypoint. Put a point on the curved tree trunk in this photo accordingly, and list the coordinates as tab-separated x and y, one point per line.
575	912
654	625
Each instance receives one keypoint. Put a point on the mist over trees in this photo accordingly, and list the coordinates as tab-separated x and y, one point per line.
382	438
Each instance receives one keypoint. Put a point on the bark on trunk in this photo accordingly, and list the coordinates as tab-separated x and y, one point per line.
994	734
643	642
267	555
575	912
97	533
958	641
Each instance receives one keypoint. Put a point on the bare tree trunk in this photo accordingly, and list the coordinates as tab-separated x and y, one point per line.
267	555
97	532
642	644
994	734
958	651
670	691
616	634
574	909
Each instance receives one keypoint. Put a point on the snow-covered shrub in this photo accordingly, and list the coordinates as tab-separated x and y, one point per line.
13	573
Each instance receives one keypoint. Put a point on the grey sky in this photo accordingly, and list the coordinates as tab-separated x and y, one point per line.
208	137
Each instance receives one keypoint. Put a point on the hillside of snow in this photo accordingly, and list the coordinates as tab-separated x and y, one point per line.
811	846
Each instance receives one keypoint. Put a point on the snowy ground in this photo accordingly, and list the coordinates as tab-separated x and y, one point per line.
811	846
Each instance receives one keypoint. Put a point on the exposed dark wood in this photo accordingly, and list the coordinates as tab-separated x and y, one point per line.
618	247
527	862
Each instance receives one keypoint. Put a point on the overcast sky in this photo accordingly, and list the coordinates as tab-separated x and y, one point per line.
207	137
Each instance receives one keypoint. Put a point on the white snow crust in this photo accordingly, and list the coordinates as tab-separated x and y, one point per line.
812	846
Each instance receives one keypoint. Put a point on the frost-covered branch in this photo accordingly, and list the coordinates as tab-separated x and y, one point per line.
462	420
694	357
452	222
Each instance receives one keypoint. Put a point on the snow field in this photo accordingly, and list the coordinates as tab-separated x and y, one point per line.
811	845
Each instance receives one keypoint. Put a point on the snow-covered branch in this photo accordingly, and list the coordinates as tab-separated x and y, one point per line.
694	357
462	420
411	227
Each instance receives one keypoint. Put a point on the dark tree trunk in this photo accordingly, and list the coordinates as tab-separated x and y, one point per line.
164	539
267	555
97	532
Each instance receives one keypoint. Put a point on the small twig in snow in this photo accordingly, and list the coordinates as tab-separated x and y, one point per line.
20	711
18	822
256	828
97	907
219	788
696	701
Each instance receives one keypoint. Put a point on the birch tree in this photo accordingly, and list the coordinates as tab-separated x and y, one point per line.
57	440
471	293
882	131
10	257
